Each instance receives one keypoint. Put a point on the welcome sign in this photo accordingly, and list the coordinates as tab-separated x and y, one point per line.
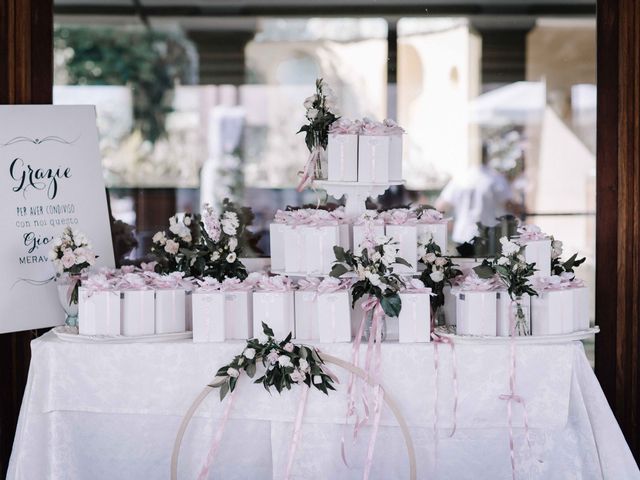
50	178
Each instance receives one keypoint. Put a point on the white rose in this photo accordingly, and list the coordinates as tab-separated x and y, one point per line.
233	243
308	102
437	276
159	238
187	221
430	257
441	261
232	372
249	353
172	247
231	257
376	256
228	227
298	376
503	261
312	113
284	361
288	347
215	256
317	379
53	255
508	247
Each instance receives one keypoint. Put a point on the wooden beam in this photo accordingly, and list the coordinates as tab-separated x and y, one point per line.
26	76
618	207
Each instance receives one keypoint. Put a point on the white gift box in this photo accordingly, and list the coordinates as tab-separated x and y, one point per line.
476	312
294	255
208	317
318	247
276	242
306	314
360	231
503	327
334	317
438	232
138	312
539	252
220	316
238	312
415	318
395	157
276	309
98	312
552	312
170	310
373	158
581	319
449	306
342	152
406	238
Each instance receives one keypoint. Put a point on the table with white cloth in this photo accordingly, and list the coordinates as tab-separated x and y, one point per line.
112	411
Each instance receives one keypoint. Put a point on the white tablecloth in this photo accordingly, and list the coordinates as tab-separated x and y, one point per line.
111	411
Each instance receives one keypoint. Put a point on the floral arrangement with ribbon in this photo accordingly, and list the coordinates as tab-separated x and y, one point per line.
72	254
207	245
515	273
321	112
285	364
439	271
374	269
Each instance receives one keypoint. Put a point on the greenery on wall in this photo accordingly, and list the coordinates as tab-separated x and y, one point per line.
150	62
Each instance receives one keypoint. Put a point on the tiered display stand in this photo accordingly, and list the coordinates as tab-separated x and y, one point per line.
356	193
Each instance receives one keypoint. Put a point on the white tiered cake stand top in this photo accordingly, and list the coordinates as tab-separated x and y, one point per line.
356	193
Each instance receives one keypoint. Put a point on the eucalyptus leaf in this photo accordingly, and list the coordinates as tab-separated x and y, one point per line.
484	271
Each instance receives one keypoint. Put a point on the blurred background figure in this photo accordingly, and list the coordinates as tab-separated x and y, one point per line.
479	195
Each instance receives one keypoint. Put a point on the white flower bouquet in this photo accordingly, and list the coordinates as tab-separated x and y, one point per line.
71	255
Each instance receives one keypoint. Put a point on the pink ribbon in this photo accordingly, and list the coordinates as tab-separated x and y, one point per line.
215	445
296	430
512	396
372	368
307	175
392	128
400	217
308	284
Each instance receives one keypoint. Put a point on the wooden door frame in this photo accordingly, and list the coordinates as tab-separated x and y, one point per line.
26	76
618	207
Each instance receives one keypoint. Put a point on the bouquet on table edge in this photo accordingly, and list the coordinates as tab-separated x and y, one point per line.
205	245
514	272
439	271
71	255
373	266
285	364
321	112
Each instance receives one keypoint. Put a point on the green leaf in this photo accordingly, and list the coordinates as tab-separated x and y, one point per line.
224	389
339	253
267	330
338	270
402	261
251	369
392	305
484	271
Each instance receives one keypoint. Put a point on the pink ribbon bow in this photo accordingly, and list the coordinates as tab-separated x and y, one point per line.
400	216
308	284
235	285
344	126
278	283
531	232
392	128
